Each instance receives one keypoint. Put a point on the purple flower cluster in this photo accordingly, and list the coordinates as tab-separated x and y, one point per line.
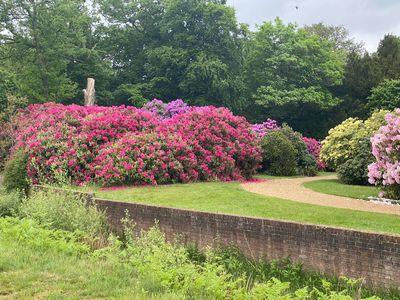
262	128
156	106
176	107
166	110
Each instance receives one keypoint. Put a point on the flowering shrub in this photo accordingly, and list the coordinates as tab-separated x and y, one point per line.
262	128
225	145
166	110
314	148
156	106
344	140
386	150
146	158
114	145
176	107
64	140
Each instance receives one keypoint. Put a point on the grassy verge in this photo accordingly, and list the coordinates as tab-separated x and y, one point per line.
40	263
335	187
232	199
40	273
267	176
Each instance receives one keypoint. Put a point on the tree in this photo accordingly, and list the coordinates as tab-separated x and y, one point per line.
364	72
385	96
289	72
191	49
388	56
41	40
338	35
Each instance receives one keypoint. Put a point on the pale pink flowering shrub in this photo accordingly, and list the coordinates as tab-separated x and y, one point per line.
314	148
126	145
386	150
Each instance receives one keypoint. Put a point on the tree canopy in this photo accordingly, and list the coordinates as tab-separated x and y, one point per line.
312	77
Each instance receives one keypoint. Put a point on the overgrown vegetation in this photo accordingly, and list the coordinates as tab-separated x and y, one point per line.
15	175
64	211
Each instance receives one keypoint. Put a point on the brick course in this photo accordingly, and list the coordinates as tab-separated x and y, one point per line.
332	251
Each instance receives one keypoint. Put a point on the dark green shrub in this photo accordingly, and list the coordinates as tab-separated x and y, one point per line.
355	169
392	191
15	177
305	163
9	203
279	155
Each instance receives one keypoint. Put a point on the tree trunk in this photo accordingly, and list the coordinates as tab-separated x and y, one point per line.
89	93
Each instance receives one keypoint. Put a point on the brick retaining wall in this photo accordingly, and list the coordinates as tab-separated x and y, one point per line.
332	251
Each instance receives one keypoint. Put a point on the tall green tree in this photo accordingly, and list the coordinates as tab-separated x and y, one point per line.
388	56
289	72
42	39
338	35
364	72
385	96
191	49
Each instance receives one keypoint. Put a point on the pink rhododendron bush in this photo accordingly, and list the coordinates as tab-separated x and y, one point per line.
385	170
126	145
314	148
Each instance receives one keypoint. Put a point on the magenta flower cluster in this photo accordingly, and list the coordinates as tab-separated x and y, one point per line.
126	145
314	148
386	150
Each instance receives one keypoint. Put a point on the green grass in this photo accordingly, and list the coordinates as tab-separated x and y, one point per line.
230	198
37	273
335	187
267	176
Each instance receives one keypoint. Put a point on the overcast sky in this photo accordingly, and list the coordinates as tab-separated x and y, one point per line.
367	20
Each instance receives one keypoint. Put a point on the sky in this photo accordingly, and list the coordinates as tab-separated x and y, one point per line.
366	20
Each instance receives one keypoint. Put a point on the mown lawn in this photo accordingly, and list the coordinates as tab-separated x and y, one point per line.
232	199
335	187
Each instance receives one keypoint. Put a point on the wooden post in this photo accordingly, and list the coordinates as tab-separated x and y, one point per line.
89	93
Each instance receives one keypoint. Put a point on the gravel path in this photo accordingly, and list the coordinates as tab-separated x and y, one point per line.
293	189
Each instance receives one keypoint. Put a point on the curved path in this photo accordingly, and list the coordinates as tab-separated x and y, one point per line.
293	189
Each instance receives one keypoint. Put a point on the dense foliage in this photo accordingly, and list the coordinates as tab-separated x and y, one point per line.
279	155
15	175
385	170
386	95
347	148
305	161
115	145
286	152
291	72
138	50
355	169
